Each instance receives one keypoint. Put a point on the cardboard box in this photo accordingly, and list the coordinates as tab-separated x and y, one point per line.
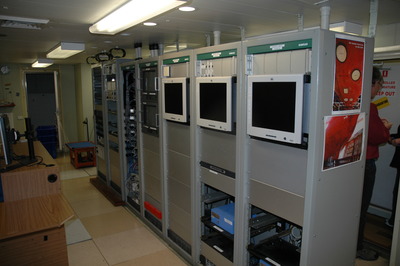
224	217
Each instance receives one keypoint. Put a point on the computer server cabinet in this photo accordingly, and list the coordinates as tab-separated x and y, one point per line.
99	123
306	193
176	120
109	117
217	83
150	144
130	143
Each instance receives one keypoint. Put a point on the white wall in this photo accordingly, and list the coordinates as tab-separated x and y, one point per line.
387	35
84	101
68	101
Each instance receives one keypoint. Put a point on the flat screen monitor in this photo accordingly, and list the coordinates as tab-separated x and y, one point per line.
214	102
6	140
175	99
275	107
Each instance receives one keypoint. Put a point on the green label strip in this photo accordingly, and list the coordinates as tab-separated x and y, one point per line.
177	60
218	54
278	47
148	64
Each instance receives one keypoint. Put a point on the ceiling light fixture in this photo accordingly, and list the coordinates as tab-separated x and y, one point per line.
187	9
133	13
22	23
65	50
42	63
25	20
150	24
347	27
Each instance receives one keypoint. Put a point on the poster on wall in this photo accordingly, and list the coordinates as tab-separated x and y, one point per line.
349	70
388	91
343	140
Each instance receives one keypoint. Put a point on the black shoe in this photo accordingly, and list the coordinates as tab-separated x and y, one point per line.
367	254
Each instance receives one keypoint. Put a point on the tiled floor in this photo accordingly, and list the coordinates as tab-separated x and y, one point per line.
116	236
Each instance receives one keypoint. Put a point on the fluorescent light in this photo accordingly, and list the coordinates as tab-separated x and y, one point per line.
42	63
25	20
19	25
21	22
150	24
133	13
187	9
65	50
346	27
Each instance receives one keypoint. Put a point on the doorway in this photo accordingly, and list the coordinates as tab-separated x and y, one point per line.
42	100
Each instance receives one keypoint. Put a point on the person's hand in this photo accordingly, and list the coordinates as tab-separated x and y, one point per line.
386	123
395	142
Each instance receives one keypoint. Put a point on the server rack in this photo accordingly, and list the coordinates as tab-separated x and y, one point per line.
109	122
99	121
150	144
131	137
216	161
177	152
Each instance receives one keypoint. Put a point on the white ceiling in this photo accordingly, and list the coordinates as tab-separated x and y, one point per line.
70	21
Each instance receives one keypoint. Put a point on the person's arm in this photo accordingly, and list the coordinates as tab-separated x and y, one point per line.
378	133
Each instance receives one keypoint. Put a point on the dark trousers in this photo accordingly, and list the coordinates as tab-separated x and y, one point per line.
369	181
395	192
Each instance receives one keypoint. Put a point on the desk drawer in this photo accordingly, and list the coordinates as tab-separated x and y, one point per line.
47	247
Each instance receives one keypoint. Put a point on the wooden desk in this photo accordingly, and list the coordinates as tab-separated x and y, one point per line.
31	181
33	214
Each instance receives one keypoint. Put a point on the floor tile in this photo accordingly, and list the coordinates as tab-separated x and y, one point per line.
74	173
93	207
165	258
129	245
118	236
80	189
111	223
85	254
75	232
90	170
379	262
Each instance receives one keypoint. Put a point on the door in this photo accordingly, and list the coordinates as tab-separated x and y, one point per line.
42	100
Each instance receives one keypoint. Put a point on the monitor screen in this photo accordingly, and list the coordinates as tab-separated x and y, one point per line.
282	105
214	102
275	107
175	99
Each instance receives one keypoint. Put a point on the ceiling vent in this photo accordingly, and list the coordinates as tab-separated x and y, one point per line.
22	23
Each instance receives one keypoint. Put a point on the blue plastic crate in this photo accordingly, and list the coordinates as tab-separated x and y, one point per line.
46	130
47	138
51	147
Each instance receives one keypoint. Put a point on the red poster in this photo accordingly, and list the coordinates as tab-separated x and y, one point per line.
349	70
343	139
